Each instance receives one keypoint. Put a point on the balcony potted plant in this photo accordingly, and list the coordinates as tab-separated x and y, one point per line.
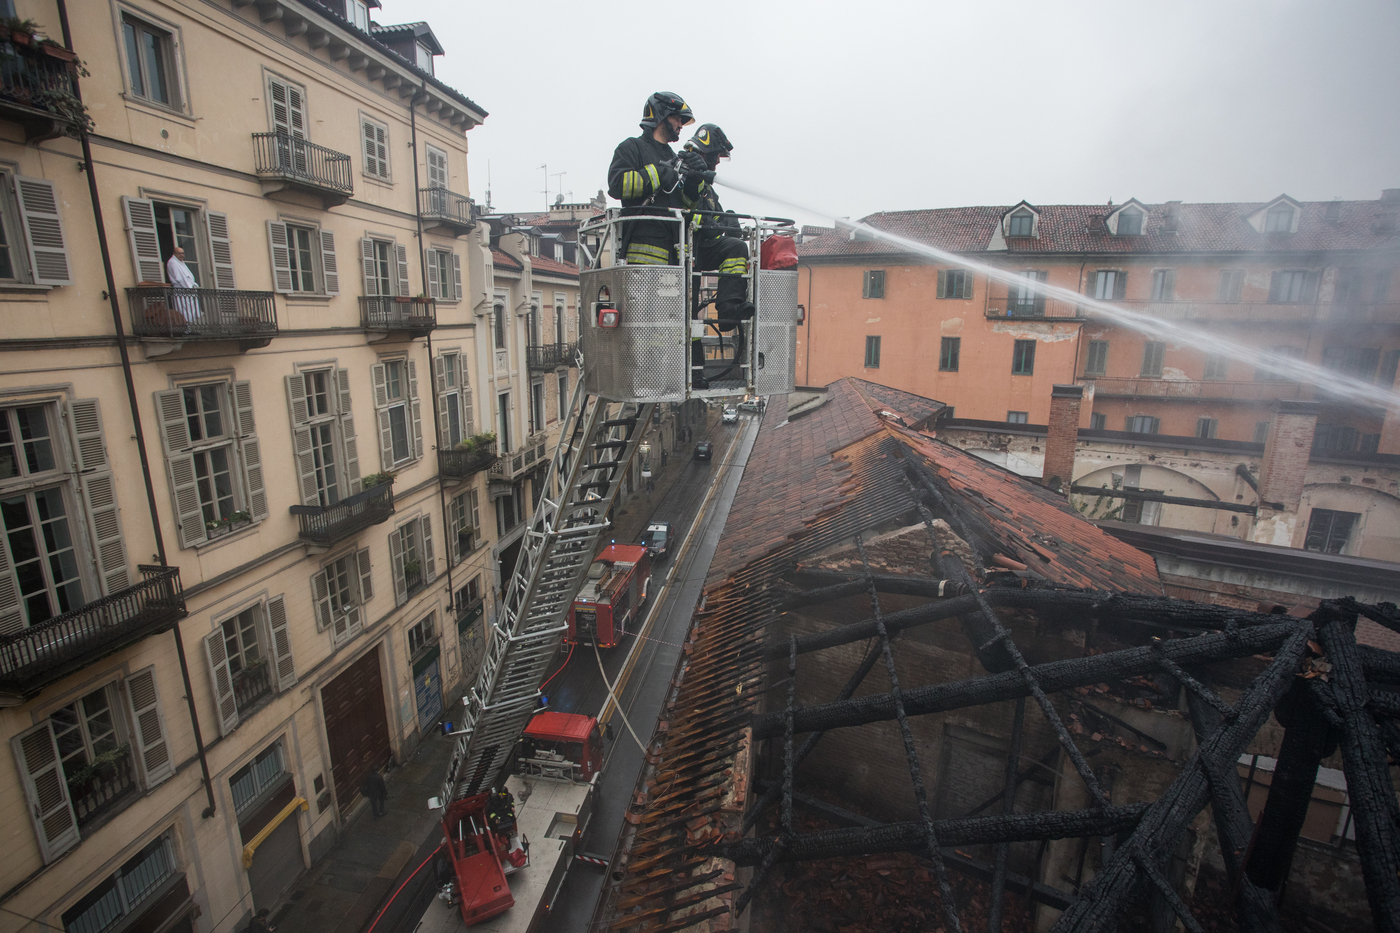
412	573
88	781
376	479
421	299
19	31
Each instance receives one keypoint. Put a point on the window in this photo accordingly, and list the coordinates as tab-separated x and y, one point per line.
1217	366
503	438
1096	362
1017	417
1357	362
156	228
872	352
444	275
385	267
1329	531
376	147
302	269
397	411
560	331
1153	353
437	168
1292	286
1023	358
260	775
1027	300
948	354
1231	285
213	458
536	407
411	557
342	588
323	436
464	512
1142	424
1274	373
1390	363
510	511
1261	432
874	284
32	246
125	891
558	252
954	283
1110	284
498	326
1279	219
1334	438
424	57
1206	427
150	62
563	396
1098	421
1163	284
421	636
303	259
1130	222
454	400
1020	223
357	12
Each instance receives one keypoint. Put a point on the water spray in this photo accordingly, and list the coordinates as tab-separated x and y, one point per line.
1338	385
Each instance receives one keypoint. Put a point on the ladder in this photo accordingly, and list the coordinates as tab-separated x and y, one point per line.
594	451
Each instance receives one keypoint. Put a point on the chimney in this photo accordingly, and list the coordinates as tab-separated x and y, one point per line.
1060	440
1334	210
1286	452
1390	195
1173	218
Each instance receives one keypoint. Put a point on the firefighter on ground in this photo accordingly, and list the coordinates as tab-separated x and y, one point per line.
644	175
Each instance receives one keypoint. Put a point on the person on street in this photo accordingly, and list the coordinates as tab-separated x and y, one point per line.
262	923
180	276
376	791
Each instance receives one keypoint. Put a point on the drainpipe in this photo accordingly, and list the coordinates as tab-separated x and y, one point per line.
135	409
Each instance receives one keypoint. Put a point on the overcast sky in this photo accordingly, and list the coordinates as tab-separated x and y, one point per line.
869	106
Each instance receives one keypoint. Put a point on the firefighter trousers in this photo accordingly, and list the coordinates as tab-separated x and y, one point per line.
729	257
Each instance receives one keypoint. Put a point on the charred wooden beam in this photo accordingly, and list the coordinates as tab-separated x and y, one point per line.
1141	495
832	585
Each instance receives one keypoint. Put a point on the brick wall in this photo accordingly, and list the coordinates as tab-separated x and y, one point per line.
1286	453
1063	434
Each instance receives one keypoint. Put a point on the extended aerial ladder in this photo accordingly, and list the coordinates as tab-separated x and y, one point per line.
636	346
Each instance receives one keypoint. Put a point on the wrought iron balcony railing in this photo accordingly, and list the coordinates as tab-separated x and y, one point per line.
1151	387
251	685
529	456
442	208
201	313
462	462
109	785
301	164
549	356
1031	307
325	525
41	654
410	315
36	88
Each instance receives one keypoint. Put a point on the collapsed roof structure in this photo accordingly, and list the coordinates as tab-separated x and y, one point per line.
905	649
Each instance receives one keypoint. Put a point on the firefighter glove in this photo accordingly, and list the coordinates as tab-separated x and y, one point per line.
693	161
667	175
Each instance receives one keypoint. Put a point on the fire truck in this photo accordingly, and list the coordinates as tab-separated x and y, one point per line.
611	597
519	788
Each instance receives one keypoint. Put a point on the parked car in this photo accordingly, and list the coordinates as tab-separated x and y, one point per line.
704	450
751	404
730	416
657	539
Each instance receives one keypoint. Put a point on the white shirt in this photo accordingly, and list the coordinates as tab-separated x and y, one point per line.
179	274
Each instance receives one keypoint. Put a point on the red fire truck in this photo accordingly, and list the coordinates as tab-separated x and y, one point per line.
611	596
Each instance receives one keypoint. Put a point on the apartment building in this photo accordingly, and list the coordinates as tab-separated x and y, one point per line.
248	552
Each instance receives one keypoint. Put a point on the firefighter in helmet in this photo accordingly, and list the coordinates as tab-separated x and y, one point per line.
717	246
645	177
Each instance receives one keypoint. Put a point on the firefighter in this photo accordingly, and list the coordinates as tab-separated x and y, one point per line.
717	249
644	176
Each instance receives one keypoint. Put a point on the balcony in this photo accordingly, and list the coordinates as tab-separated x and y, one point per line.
1146	387
41	654
446	212
461	462
1031	308
251	686
549	356
1242	311
413	317
102	786
288	164
511	467
36	87
1363	312
175	316
325	525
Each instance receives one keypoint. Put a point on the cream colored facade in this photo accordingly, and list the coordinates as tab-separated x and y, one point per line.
312	651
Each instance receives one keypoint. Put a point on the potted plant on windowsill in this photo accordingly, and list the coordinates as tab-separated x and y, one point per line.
412	574
421	299
102	768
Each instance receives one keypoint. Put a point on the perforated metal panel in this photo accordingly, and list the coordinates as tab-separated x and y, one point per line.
647	357
777	332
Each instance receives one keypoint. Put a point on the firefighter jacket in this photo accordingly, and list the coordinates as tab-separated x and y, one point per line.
634	178
711	228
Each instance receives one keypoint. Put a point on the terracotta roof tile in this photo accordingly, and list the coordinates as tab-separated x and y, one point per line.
505	260
553	267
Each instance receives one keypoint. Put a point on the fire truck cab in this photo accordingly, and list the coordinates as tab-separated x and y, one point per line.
610	598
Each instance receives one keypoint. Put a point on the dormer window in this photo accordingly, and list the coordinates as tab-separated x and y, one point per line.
357	12
1020	223
1130	222
559	252
1279	219
425	58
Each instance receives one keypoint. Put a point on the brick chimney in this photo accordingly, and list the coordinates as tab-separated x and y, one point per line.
1283	470
1058	471
1172	221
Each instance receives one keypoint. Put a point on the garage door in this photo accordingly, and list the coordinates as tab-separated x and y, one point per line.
356	728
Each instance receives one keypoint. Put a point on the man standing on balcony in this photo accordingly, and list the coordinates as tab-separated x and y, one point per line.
180	276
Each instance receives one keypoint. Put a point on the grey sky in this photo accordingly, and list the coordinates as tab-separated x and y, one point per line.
868	106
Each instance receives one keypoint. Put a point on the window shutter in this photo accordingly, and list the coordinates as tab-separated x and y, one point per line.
967	283
221	248
429	557
321	592
330	272
174	429
281	643
401	253
149	727
396	564
347	430
437	168
346	626
221	680
11	619
43	231
296	111
456	277
381	411
55	824
1169	286
464	388
366	578
367	255
183	489
444	437
432	259
280	251
141	236
99	494
942	283
243	407
277	93
301	440
1120	285
250	450
415	409
1310	287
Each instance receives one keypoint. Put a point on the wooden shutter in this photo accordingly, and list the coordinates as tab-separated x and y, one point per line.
367	256
99	494
281	644
141	236
1120	285
1310	287
967	283
942	283
431	256
179	464
457	293
277	94
440	378
221	681
50	809
429	559
321	593
396	564
347	430
376	149
280	250
221	248
43	231
401	254
301	439
465	393
381	411
366	577
330	272
346	626
148	727
250	450
11	618
414	408
437	168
